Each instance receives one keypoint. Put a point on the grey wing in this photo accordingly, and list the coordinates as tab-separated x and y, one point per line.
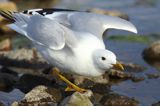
85	21
43	31
46	32
97	24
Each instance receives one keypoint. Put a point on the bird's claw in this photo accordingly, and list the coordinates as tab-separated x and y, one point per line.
71	86
75	88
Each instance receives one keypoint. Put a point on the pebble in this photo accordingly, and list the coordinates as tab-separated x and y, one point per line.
40	96
118	100
5	45
78	99
156	104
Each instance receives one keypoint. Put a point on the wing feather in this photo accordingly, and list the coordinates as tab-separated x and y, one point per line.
97	24
53	27
47	32
41	30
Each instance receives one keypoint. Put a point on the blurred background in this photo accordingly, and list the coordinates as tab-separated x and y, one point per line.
140	53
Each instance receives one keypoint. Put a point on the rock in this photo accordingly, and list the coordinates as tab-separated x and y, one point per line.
8	71
27	82
152	53
109	12
153	76
23	4
40	96
5	45
6	6
78	99
34	104
23	54
119	74
131	67
23	61
1	104
95	86
118	100
104	79
100	88
137	79
7	81
145	2
155	64
96	99
156	104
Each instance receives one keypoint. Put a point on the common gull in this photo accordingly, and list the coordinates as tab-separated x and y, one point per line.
70	40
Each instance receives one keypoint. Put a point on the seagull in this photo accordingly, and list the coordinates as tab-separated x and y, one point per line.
70	40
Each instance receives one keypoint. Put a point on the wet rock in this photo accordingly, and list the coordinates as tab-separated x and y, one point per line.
6	6
155	64
100	88
1	104
7	81
152	53
34	104
109	12
28	82
40	96
156	104
5	45
103	79
8	71
78	99
96	99
137	79
145	2
130	67
153	76
118	100
23	61
119	74
23	54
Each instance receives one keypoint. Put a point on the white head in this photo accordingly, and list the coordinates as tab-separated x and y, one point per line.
105	59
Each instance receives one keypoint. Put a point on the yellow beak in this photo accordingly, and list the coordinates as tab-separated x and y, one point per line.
118	66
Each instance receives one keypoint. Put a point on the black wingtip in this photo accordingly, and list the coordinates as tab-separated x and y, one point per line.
7	15
46	11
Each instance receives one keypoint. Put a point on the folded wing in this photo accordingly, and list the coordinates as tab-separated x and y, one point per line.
46	32
41	30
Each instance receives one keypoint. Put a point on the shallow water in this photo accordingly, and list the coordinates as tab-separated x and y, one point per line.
8	98
146	92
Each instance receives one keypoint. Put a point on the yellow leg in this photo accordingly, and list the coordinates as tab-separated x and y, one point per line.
71	86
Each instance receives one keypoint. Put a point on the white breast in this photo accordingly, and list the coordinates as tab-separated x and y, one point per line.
80	62
83	53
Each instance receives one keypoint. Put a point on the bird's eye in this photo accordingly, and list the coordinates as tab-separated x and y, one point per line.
103	58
